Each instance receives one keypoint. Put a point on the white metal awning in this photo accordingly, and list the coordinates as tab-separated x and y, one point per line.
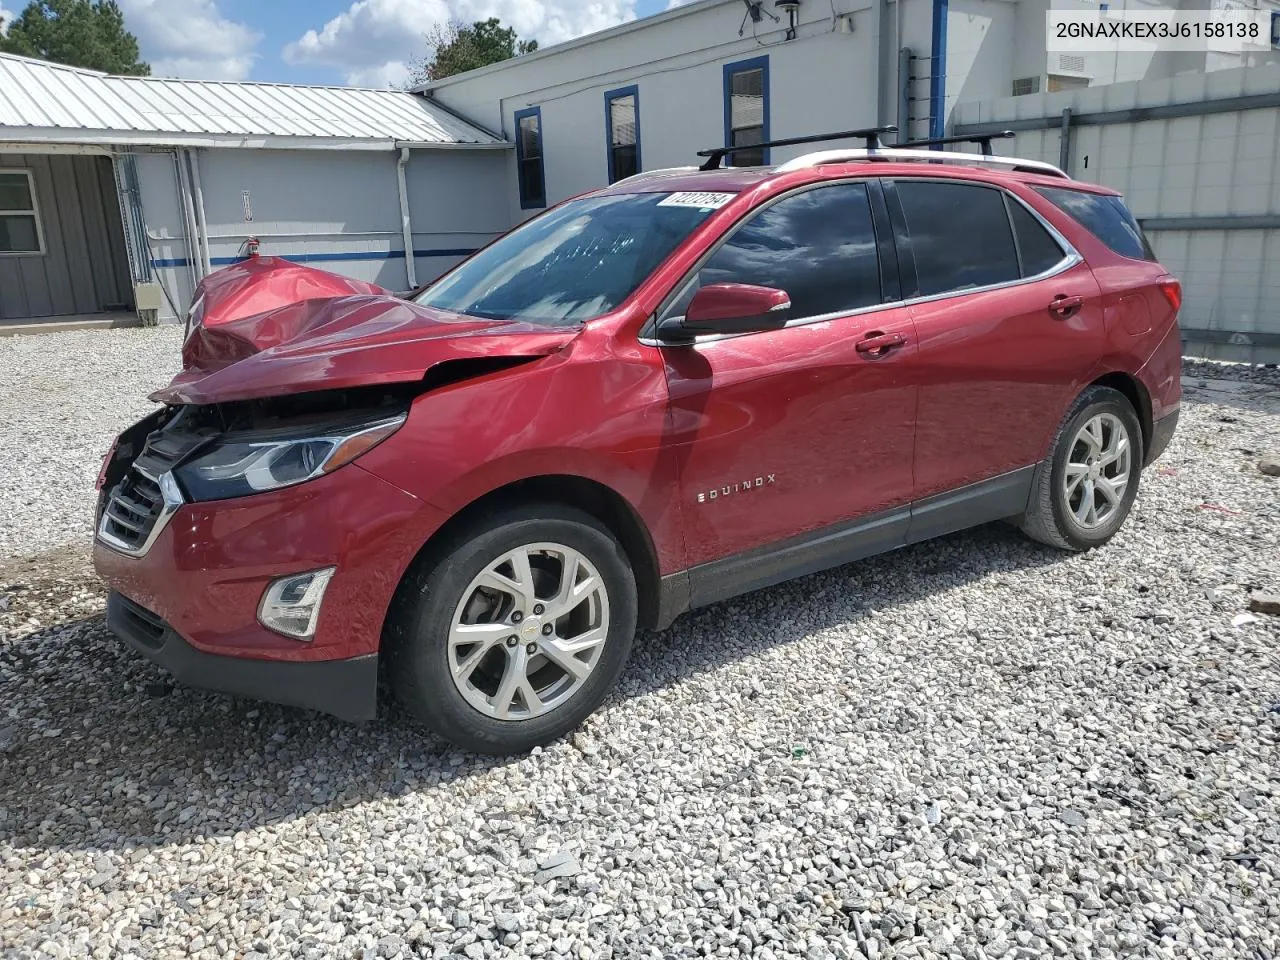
43	102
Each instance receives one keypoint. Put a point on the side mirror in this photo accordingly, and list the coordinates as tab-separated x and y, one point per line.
729	308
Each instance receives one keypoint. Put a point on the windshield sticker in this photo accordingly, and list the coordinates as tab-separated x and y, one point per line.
701	201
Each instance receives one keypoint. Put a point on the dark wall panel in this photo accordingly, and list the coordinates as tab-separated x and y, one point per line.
84	268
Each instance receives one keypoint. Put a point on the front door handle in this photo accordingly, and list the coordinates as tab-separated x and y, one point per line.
876	345
1063	306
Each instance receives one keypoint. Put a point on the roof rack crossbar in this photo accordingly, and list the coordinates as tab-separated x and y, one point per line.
870	134
983	140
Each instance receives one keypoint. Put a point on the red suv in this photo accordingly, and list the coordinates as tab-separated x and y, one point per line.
653	397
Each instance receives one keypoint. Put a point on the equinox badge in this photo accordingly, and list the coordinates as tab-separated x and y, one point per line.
730	489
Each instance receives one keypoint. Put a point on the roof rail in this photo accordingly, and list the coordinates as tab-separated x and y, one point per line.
920	156
649	174
983	140
870	134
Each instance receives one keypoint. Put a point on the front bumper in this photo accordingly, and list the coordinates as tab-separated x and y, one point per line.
347	689
206	572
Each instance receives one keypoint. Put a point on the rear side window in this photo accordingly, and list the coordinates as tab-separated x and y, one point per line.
960	235
1037	250
1106	217
819	246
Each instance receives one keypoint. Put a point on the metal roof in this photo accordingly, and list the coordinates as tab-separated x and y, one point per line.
43	102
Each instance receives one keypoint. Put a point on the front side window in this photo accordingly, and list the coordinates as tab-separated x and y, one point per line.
575	262
1105	216
533	183
622	116
746	111
819	246
19	220
960	235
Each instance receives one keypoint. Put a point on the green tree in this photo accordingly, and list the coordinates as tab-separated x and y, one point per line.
79	33
457	48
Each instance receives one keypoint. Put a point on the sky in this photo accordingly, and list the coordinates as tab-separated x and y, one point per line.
354	42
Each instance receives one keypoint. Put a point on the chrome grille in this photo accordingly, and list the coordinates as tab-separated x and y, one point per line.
132	510
137	508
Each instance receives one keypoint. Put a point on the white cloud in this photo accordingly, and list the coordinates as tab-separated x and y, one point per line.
6	18
191	38
672	4
373	42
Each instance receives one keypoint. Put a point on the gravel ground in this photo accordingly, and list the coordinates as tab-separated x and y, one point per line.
974	748
63	398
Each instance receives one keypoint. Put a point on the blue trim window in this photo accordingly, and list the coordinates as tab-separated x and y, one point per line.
746	110
622	131
529	164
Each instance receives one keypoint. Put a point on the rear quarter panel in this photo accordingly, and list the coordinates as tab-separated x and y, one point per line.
1141	325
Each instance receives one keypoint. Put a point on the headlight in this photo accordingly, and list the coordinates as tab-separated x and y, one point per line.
237	467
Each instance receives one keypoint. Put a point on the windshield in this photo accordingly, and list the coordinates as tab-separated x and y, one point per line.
575	262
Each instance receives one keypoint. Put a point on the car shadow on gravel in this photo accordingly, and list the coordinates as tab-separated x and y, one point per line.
99	752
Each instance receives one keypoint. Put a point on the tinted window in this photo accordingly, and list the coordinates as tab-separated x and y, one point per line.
960	235
624	135
748	96
19	232
533	191
818	245
1106	217
1039	251
570	264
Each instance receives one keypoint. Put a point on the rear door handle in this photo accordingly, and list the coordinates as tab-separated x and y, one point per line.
1063	306
876	345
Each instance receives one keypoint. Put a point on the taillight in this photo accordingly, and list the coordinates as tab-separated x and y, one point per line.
1172	291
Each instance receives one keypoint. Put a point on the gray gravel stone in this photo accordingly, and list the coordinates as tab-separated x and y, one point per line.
65	397
878	761
1268	603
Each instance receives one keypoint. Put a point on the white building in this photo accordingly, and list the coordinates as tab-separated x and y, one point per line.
710	73
120	193
352	179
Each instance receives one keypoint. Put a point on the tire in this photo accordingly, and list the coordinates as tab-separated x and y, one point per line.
1053	515
441	594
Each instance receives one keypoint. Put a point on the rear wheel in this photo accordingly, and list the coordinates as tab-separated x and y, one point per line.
1084	491
514	633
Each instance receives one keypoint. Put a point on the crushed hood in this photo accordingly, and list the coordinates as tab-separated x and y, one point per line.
338	343
258	284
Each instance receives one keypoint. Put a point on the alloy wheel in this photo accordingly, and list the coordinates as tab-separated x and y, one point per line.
528	631
1098	469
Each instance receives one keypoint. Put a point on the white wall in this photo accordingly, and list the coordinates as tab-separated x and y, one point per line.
458	200
336	210
167	234
823	80
1029	58
1218	165
315	203
980	42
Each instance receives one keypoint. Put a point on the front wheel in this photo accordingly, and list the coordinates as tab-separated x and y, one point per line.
510	636
1084	491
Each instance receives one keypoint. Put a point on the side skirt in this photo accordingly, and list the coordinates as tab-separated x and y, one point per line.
995	499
